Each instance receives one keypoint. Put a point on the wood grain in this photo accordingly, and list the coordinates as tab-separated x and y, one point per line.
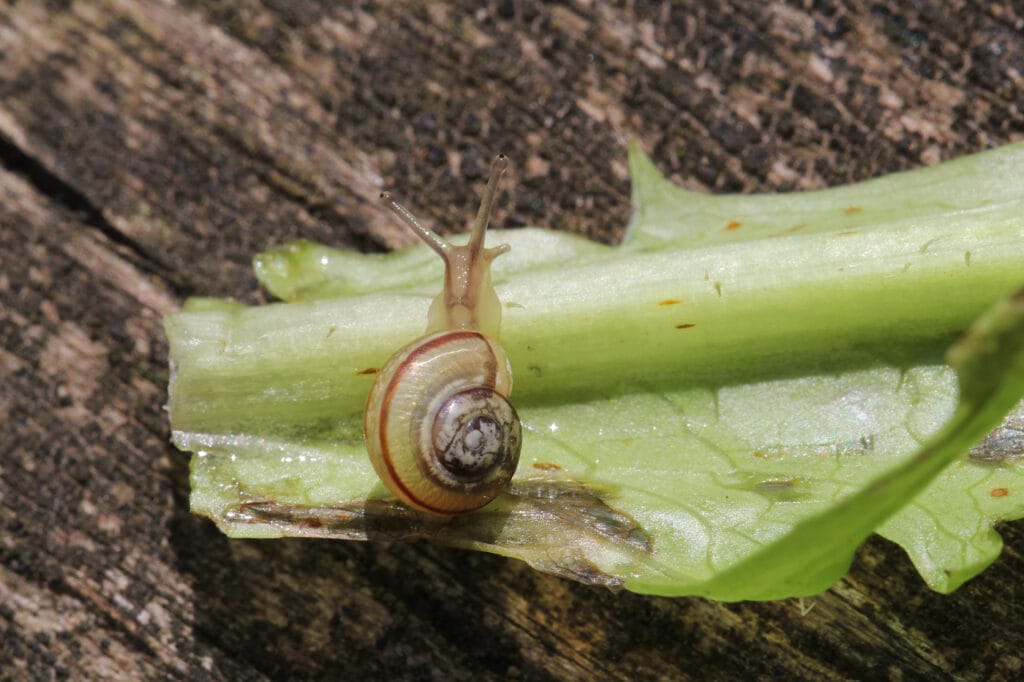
147	150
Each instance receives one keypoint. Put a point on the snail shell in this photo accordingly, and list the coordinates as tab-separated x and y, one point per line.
438	426
440	431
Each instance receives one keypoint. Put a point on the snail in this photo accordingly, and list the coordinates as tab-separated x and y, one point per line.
438	426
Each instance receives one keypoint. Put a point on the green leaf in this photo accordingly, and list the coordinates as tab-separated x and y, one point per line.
727	404
989	363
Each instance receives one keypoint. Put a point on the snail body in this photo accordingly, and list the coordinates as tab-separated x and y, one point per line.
438	426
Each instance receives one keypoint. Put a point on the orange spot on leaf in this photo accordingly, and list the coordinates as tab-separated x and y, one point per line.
852	210
669	301
686	325
368	370
733	225
546	466
1000	492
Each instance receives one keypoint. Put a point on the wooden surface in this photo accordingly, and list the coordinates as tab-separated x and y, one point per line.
147	150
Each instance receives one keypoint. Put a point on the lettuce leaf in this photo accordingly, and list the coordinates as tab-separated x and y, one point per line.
727	404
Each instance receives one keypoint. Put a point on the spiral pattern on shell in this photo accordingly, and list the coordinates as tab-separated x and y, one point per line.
441	433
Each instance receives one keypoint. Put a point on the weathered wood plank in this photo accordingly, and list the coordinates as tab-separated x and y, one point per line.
148	149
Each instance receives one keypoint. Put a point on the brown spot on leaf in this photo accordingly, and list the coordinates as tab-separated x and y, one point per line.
548	520
669	301
846	233
547	466
853	210
1005	445
369	370
686	325
999	492
333	328
733	225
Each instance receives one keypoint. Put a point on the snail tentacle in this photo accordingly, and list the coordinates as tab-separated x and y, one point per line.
432	239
